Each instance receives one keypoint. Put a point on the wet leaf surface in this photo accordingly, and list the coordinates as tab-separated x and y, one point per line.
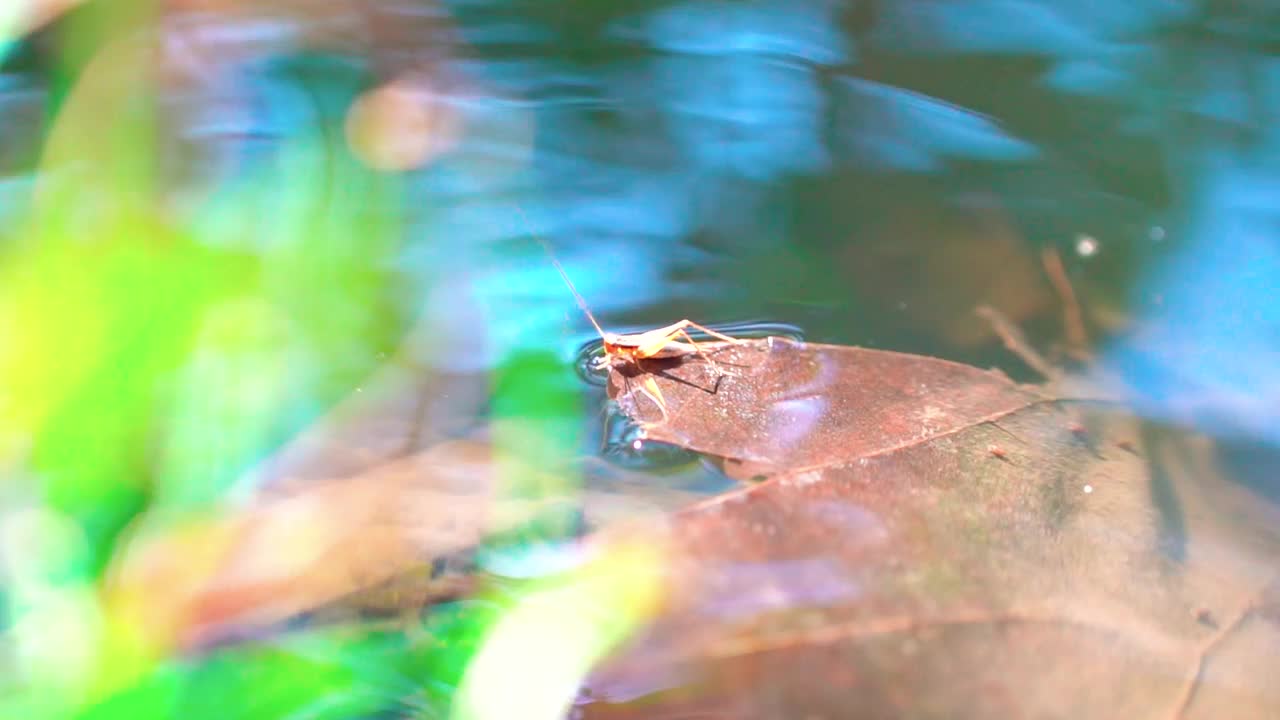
932	540
777	405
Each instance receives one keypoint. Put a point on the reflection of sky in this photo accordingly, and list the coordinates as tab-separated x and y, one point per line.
1109	72
753	116
802	30
733	94
889	128
737	82
708	105
1206	344
1030	27
726	97
1210	348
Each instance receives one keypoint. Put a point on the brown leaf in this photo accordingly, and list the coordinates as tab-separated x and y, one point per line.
774	404
934	541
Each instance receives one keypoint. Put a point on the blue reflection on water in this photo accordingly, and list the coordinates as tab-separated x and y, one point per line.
1208	348
651	142
803	30
889	128
1017	26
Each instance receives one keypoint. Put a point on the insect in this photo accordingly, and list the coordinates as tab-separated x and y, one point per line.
671	341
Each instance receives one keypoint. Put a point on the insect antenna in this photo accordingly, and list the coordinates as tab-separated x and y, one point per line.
582	303
572	288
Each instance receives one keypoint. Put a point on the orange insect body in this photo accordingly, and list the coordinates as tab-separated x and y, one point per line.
653	344
658	343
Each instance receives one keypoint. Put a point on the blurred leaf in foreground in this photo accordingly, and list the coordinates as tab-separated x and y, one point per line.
294	549
155	343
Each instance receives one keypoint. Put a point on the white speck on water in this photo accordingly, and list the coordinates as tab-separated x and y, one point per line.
637	445
1086	246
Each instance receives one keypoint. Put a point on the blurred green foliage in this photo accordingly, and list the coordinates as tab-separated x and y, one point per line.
150	353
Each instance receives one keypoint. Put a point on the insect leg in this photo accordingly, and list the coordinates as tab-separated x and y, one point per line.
709	331
698	348
650	388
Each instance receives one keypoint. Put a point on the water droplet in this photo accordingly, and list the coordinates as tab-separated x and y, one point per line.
627	445
1086	246
590	364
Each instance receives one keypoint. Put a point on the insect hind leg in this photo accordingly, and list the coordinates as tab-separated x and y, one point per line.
698	348
645	387
703	328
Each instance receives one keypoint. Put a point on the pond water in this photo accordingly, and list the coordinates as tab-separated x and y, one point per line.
245	215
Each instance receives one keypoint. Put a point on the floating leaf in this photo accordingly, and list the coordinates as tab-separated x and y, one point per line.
932	539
